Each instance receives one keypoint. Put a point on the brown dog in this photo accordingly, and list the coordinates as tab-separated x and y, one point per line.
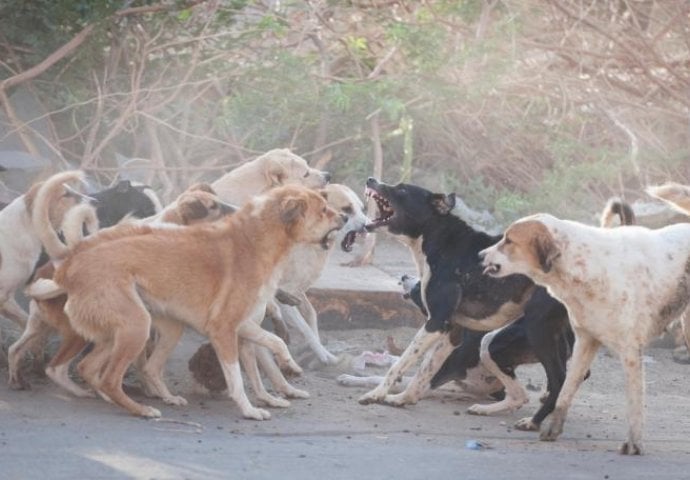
215	278
197	204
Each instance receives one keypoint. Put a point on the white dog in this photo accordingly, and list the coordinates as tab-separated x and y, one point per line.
621	288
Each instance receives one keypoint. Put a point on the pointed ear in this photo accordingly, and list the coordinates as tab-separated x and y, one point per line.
546	251
276	173
292	208
191	208
123	186
443	203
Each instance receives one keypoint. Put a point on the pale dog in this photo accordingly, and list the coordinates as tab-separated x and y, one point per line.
20	246
621	288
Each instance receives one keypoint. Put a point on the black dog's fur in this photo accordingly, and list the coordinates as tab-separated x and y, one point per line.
457	285
456	288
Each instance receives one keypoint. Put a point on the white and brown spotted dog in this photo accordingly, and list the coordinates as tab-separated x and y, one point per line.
621	287
20	246
215	278
197	204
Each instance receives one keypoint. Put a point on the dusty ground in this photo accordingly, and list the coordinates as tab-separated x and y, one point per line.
45	433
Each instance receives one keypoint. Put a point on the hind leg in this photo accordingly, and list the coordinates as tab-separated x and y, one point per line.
169	334
11	310
34	331
129	341
506	343
58	368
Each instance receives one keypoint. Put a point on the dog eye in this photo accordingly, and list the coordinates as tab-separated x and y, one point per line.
347	210
324	210
306	174
214	206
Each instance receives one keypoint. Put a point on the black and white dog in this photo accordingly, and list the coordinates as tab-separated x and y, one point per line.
453	290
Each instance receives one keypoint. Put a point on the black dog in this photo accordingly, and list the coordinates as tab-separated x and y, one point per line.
453	291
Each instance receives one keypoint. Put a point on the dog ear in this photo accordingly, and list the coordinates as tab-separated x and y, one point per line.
546	250
292	208
191	208
443	203
276	173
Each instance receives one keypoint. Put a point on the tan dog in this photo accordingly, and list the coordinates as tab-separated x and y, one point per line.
272	169
20	246
302	268
215	278
196	204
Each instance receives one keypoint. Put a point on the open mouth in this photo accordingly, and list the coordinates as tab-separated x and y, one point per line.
328	239
492	269
386	212
350	238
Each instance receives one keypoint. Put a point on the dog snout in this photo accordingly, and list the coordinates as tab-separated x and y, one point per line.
405	277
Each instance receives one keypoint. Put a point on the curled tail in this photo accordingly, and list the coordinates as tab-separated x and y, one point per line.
675	194
48	194
616	206
80	217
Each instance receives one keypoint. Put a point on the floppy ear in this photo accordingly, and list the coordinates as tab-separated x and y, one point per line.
443	203
546	250
191	208
292	208
276	173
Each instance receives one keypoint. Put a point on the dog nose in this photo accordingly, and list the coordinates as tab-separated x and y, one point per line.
404	277
371	181
326	176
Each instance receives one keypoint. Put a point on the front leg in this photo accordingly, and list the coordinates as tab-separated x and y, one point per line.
584	349
420	383
634	376
421	342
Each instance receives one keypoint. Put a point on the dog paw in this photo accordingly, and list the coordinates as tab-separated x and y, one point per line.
551	433
327	358
630	448
293	392
18	383
150	412
398	400
254	413
175	400
477	409
408	283
373	396
275	402
291	368
526	425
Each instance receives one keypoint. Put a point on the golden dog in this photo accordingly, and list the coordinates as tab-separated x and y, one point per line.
216	278
197	204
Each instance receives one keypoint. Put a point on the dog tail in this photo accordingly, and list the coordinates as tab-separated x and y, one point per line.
81	217
48	194
44	289
675	194
616	206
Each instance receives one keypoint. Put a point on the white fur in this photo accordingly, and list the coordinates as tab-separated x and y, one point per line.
615	284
